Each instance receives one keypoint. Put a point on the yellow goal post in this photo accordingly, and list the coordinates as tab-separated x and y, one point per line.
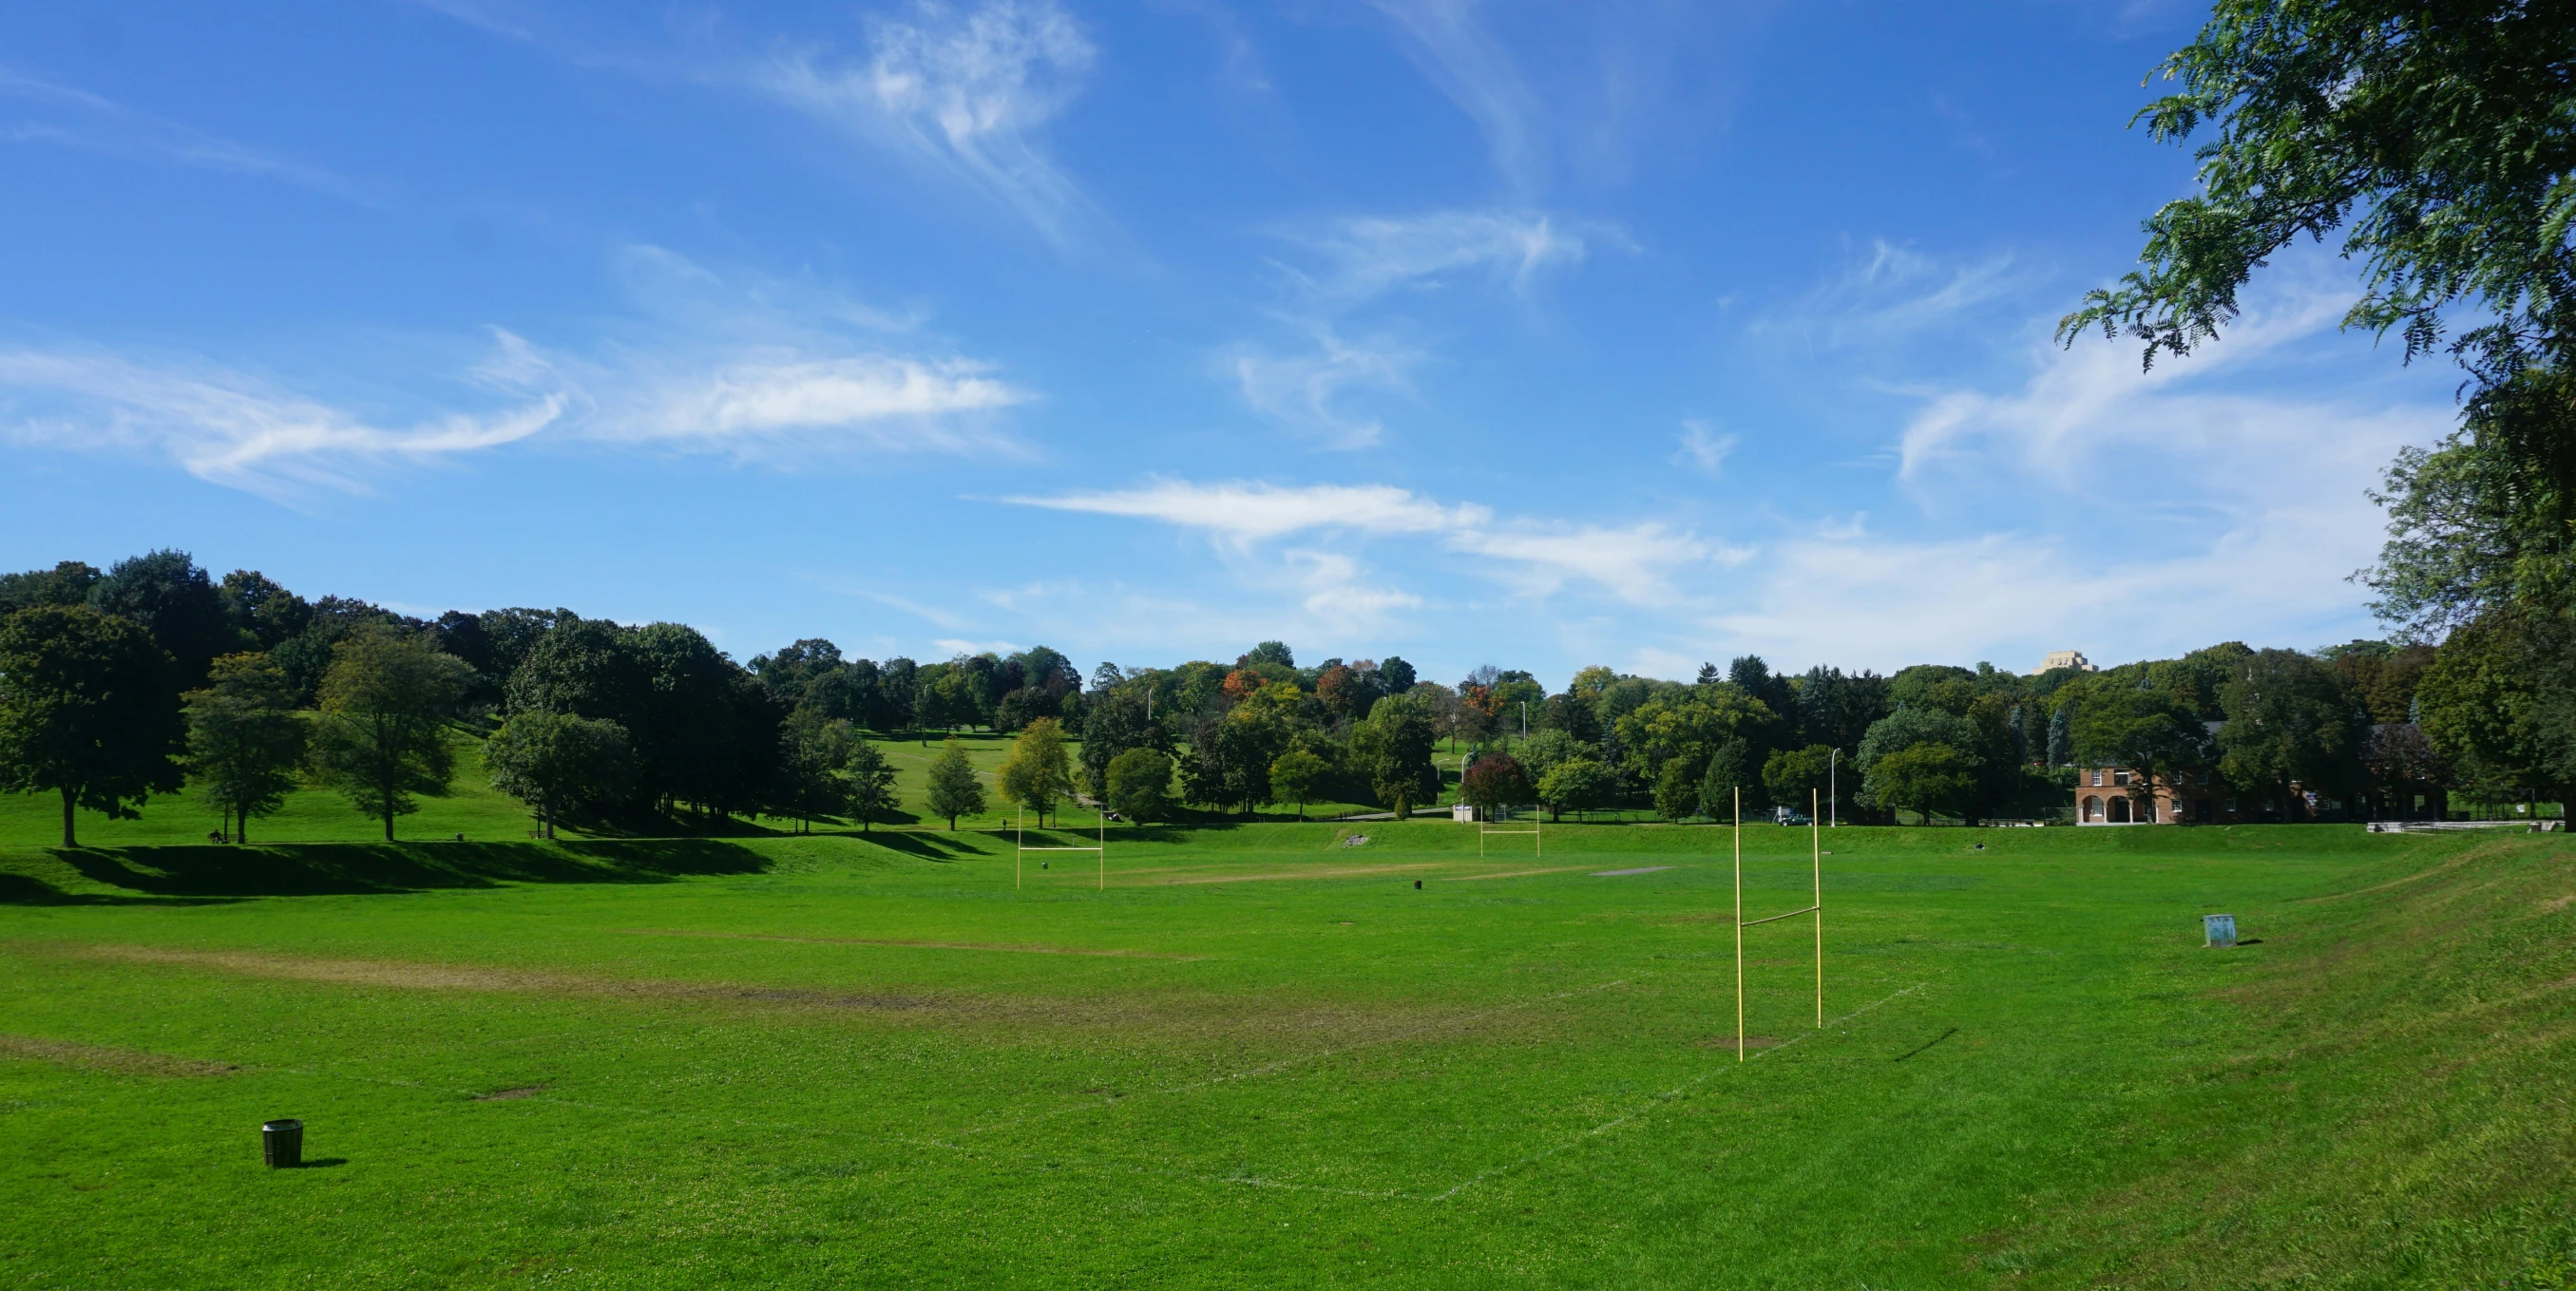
1816	837
1536	832
1020	846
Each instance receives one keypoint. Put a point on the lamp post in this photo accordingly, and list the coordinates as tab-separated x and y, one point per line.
1833	789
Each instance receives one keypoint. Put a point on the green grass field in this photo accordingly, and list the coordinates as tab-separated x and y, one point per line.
1263	1058
474	809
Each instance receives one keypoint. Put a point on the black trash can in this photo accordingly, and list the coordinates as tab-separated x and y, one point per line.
281	1144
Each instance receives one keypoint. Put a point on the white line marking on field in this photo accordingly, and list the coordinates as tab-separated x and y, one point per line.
1665	1097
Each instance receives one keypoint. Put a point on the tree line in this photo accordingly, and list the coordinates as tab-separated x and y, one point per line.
120	684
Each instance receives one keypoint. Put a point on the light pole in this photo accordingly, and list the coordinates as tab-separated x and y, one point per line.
1833	790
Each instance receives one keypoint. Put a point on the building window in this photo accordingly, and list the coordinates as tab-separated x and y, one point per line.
2231	806
2097	779
2092	807
2119	777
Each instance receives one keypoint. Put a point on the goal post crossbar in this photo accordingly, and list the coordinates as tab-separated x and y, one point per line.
1746	924
1537	831
1020	847
1816	835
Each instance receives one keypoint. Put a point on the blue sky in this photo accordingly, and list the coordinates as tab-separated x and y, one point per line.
1535	335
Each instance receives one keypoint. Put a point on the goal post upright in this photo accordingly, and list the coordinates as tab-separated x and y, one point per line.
1739	923
1816	837
1537	830
1020	847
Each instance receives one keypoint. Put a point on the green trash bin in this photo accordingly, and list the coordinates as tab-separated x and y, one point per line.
281	1144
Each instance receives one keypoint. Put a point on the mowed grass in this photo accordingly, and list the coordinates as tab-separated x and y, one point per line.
473	808
1263	1058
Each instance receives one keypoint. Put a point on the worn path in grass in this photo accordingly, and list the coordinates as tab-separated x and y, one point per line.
836	1061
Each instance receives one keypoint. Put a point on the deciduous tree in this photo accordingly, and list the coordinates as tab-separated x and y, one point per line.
382	737
1925	778
1140	785
89	709
1577	784
557	763
1294	777
245	741
1039	772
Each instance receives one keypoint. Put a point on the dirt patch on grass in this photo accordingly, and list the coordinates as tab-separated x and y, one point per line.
91	1057
917	945
1181	1016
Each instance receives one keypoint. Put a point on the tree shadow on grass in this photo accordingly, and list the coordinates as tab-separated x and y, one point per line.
324	869
929	847
24	889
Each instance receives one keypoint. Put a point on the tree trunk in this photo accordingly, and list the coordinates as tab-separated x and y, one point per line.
241	834
550	820
389	825
69	839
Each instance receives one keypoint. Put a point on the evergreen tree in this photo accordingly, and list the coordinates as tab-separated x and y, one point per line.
955	790
872	786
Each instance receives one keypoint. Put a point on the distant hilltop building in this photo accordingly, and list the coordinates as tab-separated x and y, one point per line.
2064	659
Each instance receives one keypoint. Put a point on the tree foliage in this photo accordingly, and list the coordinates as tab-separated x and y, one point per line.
2292	720
559	763
1039	771
1295	776
1139	783
382	737
2436	137
89	709
955	789
1924	778
1392	750
1578	783
245	742
871	790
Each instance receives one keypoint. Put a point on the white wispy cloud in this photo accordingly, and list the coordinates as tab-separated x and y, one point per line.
2093	505
969	91
1455	51
232	429
1635	563
878	402
1892	293
1243	512
1318	384
2083	405
1361	257
73	117
1702	448
1309	390
242	431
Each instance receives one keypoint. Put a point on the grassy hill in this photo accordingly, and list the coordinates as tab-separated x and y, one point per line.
1262	1057
473	808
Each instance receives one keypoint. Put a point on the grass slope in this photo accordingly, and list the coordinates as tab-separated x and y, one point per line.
1263	1058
